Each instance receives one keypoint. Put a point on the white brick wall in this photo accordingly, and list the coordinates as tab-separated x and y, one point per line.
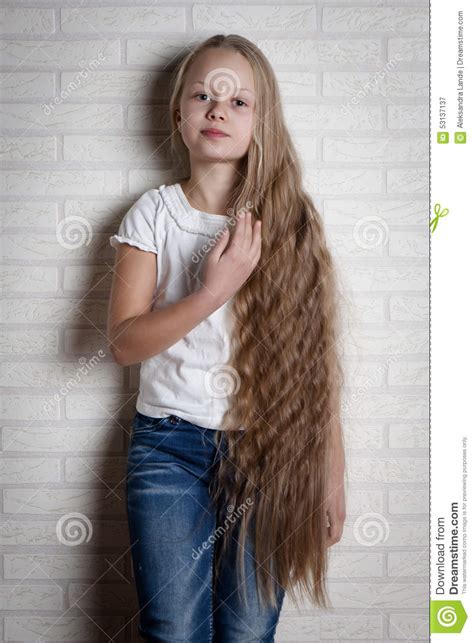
354	80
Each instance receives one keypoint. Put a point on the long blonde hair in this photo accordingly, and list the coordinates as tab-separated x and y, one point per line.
285	353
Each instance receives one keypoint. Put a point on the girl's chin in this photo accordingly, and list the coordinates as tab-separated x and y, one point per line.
206	154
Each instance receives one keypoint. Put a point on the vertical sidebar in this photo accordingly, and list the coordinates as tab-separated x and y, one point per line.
451	321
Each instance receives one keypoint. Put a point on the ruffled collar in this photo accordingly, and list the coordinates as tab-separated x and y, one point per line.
188	218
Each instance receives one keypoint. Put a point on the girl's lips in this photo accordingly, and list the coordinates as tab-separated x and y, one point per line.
213	134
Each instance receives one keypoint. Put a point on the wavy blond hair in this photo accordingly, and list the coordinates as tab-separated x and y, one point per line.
284	349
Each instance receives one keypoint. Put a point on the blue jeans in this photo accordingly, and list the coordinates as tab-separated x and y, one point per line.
171	518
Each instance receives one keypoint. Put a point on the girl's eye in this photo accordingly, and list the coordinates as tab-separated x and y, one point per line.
237	99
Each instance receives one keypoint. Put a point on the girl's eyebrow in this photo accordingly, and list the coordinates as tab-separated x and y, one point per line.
200	82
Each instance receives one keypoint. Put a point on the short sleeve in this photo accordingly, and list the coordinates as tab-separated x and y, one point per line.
138	226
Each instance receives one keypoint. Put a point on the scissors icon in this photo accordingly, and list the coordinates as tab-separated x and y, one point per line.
439	214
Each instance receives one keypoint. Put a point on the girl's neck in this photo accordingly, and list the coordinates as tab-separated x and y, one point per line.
206	202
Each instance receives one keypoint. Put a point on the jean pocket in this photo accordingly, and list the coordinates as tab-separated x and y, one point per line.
146	424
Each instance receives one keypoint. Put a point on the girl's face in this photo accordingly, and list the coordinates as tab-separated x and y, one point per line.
219	93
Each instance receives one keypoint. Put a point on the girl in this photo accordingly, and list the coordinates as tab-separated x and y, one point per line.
225	291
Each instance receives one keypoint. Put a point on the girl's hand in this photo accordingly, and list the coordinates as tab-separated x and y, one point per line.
336	505
226	269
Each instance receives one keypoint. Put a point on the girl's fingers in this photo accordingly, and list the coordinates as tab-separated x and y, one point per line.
247	234
246	238
240	228
257	237
248	231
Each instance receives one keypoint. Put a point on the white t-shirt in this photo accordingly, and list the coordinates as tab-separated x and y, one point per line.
189	379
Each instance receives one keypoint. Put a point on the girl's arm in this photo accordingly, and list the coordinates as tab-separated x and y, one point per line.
136	333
